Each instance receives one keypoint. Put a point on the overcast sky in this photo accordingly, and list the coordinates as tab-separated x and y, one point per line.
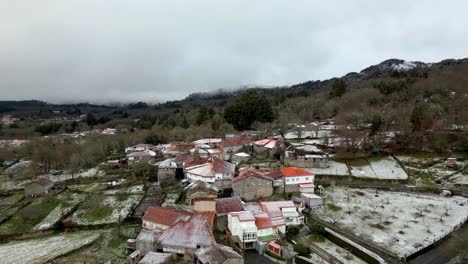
131	50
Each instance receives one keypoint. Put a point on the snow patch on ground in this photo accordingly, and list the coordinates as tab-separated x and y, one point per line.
121	210
335	168
339	252
395	212
55	215
384	169
42	250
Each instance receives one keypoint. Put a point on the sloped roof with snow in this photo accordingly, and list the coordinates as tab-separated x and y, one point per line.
266	143
197	231
274	208
263	220
243	216
157	258
43	181
235	142
165	215
210	168
242	154
208	141
202	185
216	254
167	163
230	204
295	171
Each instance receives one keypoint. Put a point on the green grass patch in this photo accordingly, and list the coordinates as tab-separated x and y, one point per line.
317	238
333	207
117	242
97	213
26	218
11	199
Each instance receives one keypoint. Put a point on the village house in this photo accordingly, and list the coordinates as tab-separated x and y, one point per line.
137	156
256	184
242	228
176	148
139	148
200	190
283	209
217	254
166	170
215	171
312	200
294	176
299	158
207	153
233	146
185	237
145	241
40	186
225	206
161	218
267	147
157	258
211	142
240	157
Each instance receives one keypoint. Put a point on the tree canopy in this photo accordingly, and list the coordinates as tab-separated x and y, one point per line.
248	108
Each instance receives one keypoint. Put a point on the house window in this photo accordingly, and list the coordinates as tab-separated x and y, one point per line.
250	236
307	178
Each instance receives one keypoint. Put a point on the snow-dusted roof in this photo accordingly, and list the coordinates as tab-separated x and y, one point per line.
216	254
157	258
242	154
146	235
243	216
197	231
209	169
208	141
167	163
140	154
267	143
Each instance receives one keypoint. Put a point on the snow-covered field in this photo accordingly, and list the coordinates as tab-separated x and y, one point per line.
94	172
42	250
384	169
55	215
121	209
403	223
335	168
309	134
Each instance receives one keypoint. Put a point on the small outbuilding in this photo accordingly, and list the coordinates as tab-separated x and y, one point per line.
40	186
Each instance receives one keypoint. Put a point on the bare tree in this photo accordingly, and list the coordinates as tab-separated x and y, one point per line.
447	209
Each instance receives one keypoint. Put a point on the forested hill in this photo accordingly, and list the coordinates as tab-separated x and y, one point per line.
389	69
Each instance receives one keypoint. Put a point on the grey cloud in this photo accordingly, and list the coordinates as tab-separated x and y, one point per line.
104	51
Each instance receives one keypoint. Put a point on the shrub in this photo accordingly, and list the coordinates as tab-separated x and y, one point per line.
302	250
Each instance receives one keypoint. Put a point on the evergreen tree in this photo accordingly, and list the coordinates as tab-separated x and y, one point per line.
247	109
338	88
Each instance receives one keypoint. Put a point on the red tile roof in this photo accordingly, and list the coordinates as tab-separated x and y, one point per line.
262	174
226	205
165	216
295	171
273	208
263	220
234	142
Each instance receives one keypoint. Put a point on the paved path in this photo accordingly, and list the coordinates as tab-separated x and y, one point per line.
252	257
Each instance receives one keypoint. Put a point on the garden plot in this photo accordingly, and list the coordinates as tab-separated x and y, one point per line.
44	249
90	187
403	223
101	209
334	168
135	189
68	204
94	172
384	169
